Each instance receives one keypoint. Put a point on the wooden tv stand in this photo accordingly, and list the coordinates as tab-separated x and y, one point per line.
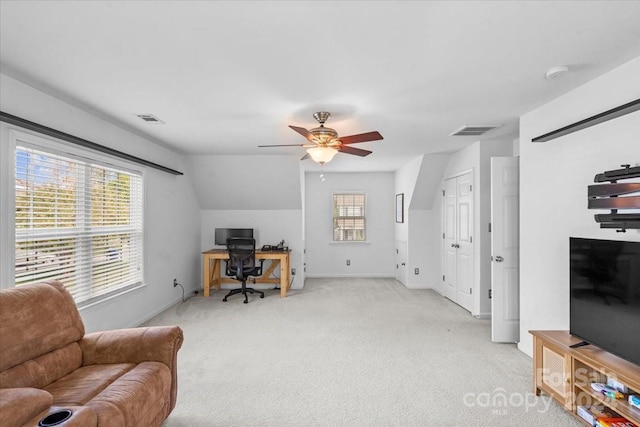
565	373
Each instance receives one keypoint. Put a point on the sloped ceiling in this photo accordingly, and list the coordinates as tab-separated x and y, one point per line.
428	182
246	182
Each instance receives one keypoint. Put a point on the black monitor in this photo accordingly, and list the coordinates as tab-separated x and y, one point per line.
222	234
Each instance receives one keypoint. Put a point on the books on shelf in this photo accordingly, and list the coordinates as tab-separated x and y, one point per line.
591	413
601	416
614	422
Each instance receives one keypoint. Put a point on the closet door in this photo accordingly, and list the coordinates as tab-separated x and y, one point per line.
450	236
464	248
458	240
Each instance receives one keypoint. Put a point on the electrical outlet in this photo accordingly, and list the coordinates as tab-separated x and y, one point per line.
348	262
416	271
293	271
175	282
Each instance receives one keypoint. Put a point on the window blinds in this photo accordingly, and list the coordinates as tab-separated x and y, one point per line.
349	217
77	221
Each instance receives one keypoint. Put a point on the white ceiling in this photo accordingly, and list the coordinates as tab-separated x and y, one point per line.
227	76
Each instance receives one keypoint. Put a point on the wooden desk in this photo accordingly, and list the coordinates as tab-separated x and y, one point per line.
212	275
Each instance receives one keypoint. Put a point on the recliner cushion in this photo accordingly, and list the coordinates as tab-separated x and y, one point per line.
85	383
138	398
43	370
27	333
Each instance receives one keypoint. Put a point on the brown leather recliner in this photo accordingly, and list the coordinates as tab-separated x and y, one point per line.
119	378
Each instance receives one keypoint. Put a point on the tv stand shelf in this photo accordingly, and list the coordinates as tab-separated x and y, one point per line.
565	373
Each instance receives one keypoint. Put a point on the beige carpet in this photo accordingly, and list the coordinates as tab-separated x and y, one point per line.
348	352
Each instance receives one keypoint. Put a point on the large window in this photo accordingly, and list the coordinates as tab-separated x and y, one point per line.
78	221
348	217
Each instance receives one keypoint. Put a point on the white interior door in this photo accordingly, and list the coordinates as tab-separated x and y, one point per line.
450	238
457	237
464	246
505	244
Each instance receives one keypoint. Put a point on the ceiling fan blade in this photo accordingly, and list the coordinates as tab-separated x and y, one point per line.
283	145
356	151
362	137
303	132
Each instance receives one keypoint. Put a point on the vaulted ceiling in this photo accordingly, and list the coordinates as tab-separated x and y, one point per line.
227	76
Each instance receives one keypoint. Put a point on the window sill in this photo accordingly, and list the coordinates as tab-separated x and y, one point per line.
115	295
349	242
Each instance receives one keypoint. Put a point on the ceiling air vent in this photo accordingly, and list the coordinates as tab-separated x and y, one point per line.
474	130
149	118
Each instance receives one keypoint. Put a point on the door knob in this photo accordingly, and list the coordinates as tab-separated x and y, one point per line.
499	259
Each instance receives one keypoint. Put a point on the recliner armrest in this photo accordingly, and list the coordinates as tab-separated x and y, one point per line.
19	405
134	345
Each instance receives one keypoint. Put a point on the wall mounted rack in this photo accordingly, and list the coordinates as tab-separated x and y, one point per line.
614	195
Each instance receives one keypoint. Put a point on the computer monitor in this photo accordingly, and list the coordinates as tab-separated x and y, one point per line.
222	234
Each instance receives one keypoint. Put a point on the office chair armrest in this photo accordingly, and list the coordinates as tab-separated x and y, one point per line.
259	272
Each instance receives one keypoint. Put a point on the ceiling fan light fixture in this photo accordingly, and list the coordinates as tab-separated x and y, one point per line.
322	155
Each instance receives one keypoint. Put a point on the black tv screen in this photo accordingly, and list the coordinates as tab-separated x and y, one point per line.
605	295
221	234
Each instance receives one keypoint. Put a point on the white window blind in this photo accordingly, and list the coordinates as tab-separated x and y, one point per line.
77	221
348	217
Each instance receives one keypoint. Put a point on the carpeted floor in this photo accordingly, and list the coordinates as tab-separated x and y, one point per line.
348	352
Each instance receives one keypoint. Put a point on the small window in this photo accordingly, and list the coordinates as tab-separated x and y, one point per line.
349	224
77	221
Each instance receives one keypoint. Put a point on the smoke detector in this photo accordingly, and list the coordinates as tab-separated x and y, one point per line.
556	72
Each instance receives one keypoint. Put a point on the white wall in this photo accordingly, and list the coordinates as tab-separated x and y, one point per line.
415	227
172	226
376	257
419	180
269	227
406	179
423	250
553	189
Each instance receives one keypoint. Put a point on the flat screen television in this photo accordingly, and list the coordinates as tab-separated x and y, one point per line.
604	299
221	234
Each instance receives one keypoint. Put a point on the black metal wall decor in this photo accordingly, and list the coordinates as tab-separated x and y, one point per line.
615	196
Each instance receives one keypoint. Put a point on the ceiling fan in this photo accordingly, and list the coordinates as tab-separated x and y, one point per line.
324	142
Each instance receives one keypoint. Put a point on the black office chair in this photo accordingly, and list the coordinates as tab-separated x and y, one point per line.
242	264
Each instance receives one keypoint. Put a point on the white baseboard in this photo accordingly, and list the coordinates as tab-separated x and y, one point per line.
418	286
347	276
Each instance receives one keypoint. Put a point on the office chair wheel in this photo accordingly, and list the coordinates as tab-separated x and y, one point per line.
262	296
224	299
